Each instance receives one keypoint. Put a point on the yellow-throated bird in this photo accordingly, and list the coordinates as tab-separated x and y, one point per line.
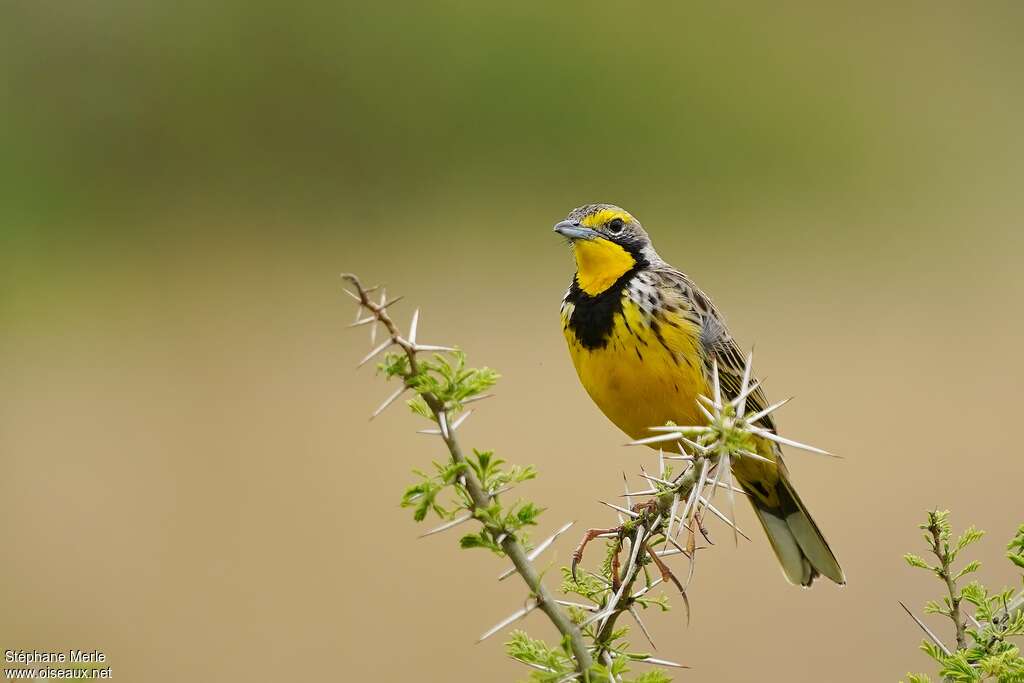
643	337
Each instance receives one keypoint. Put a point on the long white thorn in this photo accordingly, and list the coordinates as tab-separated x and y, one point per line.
741	408
771	436
363	321
579	605
661	462
674	551
769	410
389	400
659	438
637	541
413	325
643	591
442	423
657	480
934	638
539	667
539	549
447	525
672	516
718	475
431	347
371	354
699	488
718	513
733	488
462	418
629	498
608	661
643	628
742	397
707	401
700	448
474	399
715	382
707	413
732	498
516	616
750	454
691	504
646	492
661	662
682	429
619	509
373	329
549	540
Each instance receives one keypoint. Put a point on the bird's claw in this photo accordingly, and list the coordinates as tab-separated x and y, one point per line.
577	555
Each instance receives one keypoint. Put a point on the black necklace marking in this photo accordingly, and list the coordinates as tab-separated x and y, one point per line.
593	317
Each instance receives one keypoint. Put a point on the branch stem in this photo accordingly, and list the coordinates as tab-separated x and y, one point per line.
945	573
481	499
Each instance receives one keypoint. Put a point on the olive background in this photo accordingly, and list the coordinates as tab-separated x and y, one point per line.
189	481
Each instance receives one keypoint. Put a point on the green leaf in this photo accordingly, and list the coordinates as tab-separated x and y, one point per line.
528	513
956	667
394	365
933	651
917	678
419	406
916	561
653	676
970	568
1017	542
969	536
423	497
526	649
585	585
480	540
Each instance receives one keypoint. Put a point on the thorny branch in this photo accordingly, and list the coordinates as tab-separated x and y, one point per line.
481	499
648	529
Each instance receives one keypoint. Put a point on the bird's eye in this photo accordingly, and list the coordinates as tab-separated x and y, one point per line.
615	225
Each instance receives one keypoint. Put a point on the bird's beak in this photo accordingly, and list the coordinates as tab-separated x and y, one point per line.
574	232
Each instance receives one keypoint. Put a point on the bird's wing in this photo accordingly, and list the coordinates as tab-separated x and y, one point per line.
716	341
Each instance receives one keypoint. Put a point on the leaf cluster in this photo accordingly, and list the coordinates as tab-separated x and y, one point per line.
445	377
553	664
987	653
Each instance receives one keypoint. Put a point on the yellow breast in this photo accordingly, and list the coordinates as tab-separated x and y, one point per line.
648	373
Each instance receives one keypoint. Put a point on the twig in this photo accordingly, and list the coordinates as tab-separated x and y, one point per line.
941	551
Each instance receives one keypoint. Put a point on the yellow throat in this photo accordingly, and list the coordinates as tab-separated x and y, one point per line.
599	263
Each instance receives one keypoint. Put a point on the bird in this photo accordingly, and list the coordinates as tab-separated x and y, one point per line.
644	340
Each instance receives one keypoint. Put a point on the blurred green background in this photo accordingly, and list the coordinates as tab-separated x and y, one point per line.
189	481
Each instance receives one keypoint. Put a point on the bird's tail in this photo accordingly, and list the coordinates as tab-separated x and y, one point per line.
798	543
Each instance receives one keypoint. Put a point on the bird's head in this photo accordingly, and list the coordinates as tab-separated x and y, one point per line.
607	243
